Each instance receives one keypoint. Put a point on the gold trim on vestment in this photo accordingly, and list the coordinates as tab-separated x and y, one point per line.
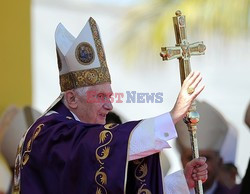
101	153
22	159
140	174
141	189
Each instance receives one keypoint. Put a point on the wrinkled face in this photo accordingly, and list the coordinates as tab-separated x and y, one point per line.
95	105
213	161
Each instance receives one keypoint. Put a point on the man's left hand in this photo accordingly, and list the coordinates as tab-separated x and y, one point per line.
195	170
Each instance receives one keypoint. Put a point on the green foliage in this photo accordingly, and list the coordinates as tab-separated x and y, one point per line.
148	25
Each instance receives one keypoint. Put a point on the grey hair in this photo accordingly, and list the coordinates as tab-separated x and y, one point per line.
80	91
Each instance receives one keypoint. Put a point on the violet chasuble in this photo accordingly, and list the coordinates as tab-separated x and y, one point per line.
63	156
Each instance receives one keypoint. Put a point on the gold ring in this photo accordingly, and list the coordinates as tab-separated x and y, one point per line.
190	90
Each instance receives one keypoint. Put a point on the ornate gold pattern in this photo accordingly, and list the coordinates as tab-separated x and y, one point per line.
140	174
16	189
98	191
84	78
102	152
181	21
140	170
172	53
26	153
103	176
101	180
91	77
25	157
88	77
201	48
22	159
143	191
85	54
110	125
182	33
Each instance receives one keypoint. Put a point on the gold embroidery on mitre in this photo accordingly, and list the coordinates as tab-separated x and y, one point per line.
91	77
88	77
67	82
84	53
83	78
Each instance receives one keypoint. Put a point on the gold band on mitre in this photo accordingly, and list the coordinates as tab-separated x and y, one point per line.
81	61
84	78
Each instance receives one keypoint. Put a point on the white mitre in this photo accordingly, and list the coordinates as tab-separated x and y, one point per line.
214	133
14	122
81	60
228	149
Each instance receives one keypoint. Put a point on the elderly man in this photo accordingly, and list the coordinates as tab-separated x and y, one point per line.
71	150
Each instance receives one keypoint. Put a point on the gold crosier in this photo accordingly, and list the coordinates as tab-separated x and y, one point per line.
183	51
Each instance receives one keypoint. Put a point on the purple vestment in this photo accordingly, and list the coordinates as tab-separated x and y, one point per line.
222	189
63	156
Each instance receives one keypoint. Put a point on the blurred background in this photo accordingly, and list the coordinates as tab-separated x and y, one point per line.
133	33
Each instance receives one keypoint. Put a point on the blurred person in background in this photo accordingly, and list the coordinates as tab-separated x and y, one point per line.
246	180
227	176
13	123
217	142
113	117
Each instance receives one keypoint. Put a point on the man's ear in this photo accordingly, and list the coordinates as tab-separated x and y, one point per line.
71	99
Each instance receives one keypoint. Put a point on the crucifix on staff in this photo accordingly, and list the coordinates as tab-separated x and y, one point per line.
183	51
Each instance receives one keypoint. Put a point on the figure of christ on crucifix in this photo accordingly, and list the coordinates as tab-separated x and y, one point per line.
183	51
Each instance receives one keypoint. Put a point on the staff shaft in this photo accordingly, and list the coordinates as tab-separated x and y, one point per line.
183	51
185	68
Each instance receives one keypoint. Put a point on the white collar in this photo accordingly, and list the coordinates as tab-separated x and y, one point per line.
76	118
